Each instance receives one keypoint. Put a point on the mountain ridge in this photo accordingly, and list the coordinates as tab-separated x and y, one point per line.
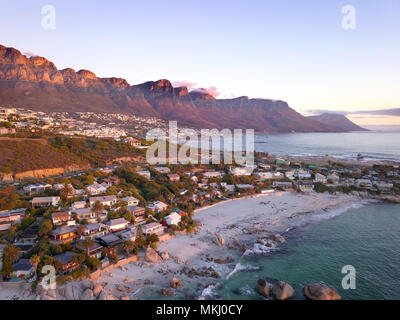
36	83
337	120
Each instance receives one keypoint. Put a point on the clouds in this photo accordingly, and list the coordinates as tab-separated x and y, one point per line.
30	54
213	91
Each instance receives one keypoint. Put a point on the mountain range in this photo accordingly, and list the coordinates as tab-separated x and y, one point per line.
36	83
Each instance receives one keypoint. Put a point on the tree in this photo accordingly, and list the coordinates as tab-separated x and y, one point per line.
45	227
97	208
12	252
88	243
128	246
35	260
140	240
80	230
66	192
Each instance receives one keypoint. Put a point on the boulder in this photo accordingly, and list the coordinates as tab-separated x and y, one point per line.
277	238
176	283
87	284
219	240
282	290
263	288
87	295
98	288
164	255
319	291
166	292
152	256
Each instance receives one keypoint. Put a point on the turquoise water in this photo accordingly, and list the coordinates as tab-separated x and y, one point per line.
367	238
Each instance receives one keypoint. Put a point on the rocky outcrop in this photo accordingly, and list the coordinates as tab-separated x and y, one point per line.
176	283
164	255
219	240
319	291
152	256
263	288
282	290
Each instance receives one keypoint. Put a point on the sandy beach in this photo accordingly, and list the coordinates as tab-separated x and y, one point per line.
226	231
246	225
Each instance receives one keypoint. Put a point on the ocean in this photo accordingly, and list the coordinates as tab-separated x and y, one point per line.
373	145
367	238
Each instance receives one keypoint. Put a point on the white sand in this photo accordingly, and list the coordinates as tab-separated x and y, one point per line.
246	219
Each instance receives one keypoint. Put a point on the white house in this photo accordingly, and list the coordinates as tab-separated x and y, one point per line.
78	205
334	178
117	224
153	228
173	218
131	201
240	171
320	178
104	200
162	169
144	173
45	202
96	189
158	206
212	174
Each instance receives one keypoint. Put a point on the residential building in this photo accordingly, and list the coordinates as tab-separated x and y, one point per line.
117	224
94	230
240	171
131	201
132	142
282	185
138	212
96	189
320	178
153	228
173	219
174	177
66	260
144	173
110	241
61	218
305	186
104	200
62	235
23	269
45	202
158	206
36	188
212	174
78	205
162	169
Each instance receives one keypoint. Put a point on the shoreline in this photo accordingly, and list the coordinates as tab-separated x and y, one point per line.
252	226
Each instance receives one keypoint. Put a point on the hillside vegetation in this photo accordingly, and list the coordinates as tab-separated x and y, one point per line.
20	155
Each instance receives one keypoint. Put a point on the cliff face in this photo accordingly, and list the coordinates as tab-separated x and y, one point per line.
337	120
37	84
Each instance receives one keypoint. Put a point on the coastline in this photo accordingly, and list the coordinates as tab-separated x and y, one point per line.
252	225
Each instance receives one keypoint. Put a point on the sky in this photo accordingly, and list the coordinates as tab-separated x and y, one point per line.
291	50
